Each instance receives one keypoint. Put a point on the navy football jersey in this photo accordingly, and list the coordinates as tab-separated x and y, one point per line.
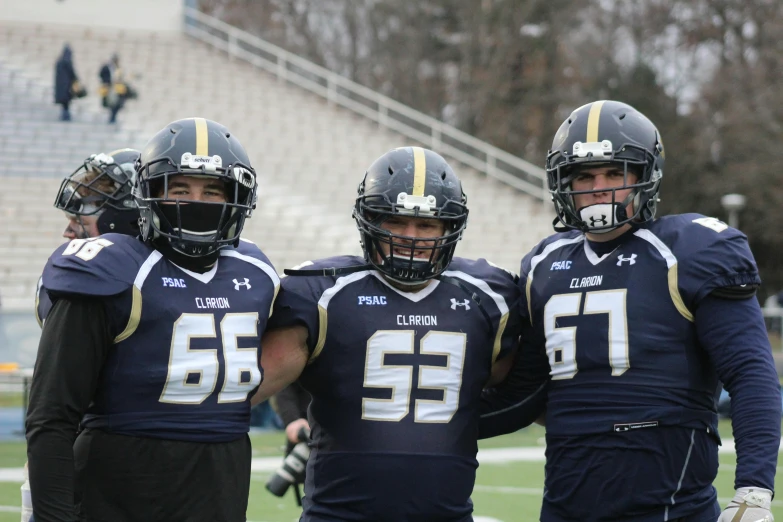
396	379
626	367
42	302
185	358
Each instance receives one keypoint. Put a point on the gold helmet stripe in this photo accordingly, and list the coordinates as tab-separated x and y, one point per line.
419	171
202	137
592	121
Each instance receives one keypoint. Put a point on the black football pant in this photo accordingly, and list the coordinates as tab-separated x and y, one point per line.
121	478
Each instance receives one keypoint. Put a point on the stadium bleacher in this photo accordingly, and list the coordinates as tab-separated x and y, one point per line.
310	155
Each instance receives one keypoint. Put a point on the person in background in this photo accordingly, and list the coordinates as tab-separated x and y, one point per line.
114	89
64	79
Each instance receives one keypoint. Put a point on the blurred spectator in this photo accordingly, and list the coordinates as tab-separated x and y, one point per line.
114	89
65	83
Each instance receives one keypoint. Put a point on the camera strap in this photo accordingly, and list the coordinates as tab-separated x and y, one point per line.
297	494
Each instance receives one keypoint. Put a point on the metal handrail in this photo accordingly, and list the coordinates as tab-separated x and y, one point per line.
444	138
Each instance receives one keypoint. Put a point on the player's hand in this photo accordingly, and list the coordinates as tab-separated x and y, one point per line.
749	505
292	430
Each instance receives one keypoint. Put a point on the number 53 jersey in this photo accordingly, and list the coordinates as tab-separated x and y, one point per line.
184	360
396	379
619	326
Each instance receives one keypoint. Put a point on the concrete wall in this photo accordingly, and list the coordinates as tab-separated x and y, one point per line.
150	15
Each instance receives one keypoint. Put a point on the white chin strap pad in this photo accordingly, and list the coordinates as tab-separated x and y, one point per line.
600	218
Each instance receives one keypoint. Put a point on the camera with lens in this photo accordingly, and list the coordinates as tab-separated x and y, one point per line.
292	471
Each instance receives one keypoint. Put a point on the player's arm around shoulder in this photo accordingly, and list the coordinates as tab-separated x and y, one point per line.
520	398
291	334
284	354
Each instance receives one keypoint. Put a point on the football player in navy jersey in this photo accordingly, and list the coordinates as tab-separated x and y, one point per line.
151	347
96	198
395	349
641	319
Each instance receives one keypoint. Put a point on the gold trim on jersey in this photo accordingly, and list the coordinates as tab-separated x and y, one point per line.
593	119
419	171
322	322
274	298
37	301
135	316
499	337
674	291
528	285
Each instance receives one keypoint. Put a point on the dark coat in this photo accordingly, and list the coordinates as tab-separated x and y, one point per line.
105	74
64	76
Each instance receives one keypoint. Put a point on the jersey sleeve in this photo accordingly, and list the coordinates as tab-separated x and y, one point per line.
500	298
297	302
505	284
296	305
711	256
102	266
43	304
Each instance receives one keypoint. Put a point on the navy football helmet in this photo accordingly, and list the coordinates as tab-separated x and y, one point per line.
102	186
410	181
205	149
605	133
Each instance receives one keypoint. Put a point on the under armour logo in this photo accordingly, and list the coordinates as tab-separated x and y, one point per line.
631	260
598	221
455	304
246	284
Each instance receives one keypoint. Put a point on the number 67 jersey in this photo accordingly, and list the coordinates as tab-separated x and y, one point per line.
619	326
631	414
396	379
184	359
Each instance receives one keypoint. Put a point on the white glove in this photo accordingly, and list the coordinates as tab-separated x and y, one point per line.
749	505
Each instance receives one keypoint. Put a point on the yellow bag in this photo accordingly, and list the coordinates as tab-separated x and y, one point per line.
78	90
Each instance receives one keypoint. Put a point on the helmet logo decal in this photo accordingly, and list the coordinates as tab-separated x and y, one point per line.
244	177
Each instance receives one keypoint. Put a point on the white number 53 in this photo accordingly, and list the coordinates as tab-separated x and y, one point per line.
399	378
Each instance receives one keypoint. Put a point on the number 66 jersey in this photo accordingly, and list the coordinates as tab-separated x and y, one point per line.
396	380
184	360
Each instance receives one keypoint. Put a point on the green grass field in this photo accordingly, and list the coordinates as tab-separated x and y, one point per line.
509	492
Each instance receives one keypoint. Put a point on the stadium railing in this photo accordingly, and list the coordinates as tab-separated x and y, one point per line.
381	109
